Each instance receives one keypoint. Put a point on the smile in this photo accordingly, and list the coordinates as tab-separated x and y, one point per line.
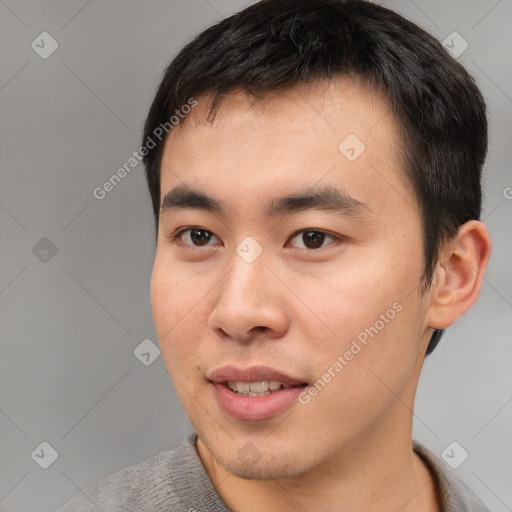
254	393
258	388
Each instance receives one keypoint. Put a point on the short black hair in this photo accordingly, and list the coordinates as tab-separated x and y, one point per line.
274	45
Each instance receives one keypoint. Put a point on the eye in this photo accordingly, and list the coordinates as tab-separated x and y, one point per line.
196	237
312	239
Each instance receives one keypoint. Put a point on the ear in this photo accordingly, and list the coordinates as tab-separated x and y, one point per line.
459	273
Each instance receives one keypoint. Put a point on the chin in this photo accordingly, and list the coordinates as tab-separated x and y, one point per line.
263	469
262	473
250	463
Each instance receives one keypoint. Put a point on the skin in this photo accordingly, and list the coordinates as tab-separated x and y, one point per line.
297	309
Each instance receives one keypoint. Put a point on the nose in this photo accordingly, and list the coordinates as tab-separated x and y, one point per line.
250	303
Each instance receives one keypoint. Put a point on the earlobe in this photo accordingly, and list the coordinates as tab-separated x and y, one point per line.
459	274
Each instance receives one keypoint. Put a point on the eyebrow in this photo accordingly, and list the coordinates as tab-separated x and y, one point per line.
327	198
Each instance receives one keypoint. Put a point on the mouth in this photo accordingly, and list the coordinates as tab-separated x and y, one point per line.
254	379
256	393
258	388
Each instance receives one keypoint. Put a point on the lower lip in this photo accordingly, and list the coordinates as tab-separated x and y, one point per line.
255	408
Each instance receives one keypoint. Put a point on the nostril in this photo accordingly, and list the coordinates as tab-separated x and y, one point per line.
259	329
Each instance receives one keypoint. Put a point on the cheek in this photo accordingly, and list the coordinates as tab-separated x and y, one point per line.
352	298
178	312
372	310
369	362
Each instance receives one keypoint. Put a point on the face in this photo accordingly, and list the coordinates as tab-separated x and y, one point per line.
285	288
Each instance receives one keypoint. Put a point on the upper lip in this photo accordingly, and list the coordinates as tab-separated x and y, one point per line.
252	374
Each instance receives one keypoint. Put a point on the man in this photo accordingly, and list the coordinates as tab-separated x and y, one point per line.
314	167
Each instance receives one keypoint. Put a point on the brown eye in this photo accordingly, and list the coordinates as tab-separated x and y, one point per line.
197	237
200	236
312	239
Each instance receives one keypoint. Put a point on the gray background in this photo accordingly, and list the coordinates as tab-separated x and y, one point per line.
70	321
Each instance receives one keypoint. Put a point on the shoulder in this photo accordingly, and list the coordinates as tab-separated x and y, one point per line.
454	494
169	481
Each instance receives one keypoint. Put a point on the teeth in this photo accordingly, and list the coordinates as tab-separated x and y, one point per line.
242	387
259	388
274	385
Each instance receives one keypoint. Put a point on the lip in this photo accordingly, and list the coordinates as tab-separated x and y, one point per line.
254	408
252	374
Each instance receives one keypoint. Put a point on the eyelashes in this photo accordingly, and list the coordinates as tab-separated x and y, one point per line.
307	239
199	235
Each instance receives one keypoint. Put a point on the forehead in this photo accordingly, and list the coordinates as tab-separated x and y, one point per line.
337	132
325	105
